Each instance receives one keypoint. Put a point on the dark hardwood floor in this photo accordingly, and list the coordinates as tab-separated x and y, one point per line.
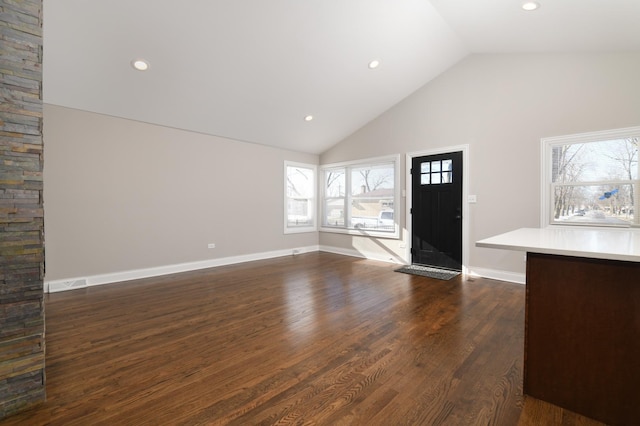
312	339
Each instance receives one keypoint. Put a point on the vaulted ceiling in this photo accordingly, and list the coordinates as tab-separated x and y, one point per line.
252	70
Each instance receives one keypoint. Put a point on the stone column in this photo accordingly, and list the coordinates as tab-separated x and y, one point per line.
22	378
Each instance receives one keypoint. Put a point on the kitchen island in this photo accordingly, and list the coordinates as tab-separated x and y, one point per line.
582	318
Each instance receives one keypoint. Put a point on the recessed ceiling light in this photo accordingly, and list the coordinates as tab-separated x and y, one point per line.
374	64
140	64
530	5
308	118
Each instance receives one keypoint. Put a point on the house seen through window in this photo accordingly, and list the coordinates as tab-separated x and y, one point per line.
360	197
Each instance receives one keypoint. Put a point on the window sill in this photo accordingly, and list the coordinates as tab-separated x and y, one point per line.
595	225
300	230
619	228
363	233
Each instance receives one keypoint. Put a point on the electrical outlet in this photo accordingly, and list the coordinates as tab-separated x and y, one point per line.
211	245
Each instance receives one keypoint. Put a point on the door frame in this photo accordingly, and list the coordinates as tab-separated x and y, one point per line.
465	196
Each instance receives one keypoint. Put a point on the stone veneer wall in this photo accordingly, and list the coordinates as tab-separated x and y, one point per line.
22	378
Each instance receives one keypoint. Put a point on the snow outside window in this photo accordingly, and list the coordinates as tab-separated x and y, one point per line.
592	179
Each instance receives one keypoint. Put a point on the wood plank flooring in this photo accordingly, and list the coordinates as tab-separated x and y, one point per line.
312	339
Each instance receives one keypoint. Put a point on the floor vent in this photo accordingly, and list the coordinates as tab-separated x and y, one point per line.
67	285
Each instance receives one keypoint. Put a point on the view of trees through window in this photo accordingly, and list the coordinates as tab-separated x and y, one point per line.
300	199
596	182
360	197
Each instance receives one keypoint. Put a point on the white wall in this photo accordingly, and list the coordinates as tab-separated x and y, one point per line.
501	106
122	195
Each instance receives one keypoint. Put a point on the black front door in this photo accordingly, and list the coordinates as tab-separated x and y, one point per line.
436	212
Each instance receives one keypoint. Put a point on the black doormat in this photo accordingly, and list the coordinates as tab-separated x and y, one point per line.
428	271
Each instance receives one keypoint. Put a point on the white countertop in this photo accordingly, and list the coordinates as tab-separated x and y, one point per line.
613	244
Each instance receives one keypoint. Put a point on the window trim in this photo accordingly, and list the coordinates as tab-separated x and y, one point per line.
314	199
395	159
546	173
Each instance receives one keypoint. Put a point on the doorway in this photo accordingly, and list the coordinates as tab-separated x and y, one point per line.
437	210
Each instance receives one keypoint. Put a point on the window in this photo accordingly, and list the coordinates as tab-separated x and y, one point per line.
592	179
361	197
436	172
300	197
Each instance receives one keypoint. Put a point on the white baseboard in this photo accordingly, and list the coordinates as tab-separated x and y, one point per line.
495	274
364	255
64	285
115	277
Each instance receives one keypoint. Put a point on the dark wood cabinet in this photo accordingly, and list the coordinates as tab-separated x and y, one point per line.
582	339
